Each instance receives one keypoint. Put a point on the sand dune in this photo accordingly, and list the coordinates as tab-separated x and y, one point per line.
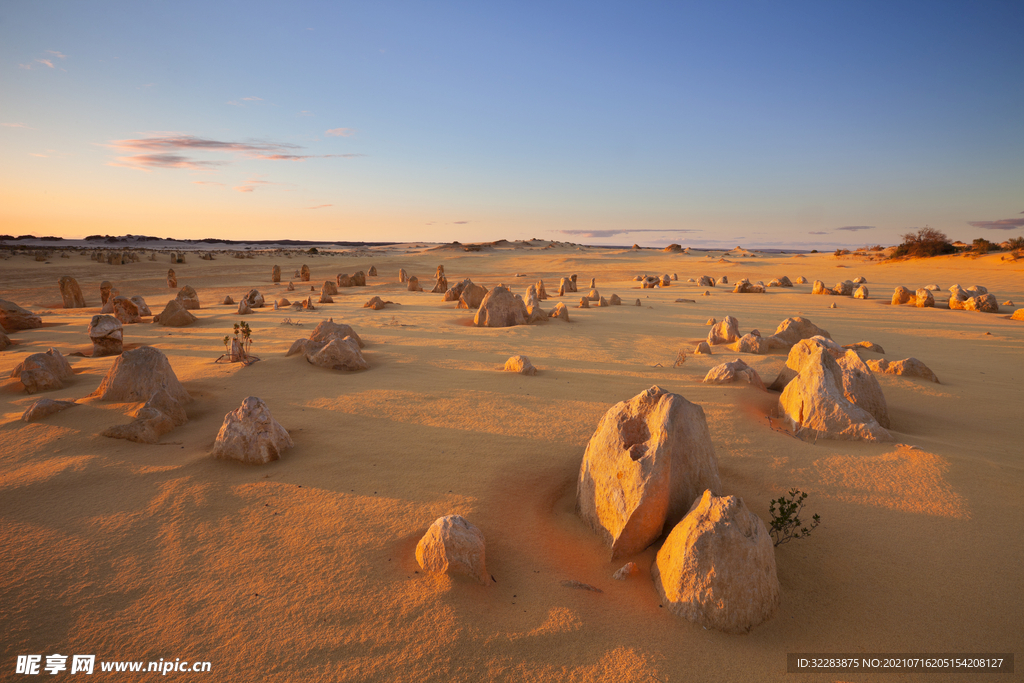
304	569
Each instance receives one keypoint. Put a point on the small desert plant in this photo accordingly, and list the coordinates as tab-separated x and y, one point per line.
786	524
925	242
842	252
238	346
1016	243
983	246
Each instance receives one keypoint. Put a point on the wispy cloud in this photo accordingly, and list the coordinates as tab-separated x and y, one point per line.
461	222
207	182
340	133
173	150
305	112
15	125
612	233
818	232
252	99
252	185
855	228
319	206
44	61
1005	224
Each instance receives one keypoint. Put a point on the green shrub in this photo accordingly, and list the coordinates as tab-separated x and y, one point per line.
925	242
786	524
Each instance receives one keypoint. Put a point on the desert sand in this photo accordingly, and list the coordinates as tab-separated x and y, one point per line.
304	568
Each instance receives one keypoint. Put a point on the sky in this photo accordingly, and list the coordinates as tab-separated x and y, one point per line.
762	124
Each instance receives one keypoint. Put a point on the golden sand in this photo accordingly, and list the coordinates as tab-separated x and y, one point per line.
304	569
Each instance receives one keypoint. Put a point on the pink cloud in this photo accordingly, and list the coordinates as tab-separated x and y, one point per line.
340	133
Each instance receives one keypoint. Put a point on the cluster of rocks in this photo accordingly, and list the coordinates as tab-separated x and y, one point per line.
651	467
975	298
745	286
357	279
788	333
333	346
114	258
653	281
844	288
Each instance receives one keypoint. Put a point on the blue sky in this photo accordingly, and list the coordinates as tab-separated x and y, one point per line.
711	123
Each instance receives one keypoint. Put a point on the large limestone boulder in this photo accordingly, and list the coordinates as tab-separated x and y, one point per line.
861	387
359	278
792	330
815	405
414	284
251	434
160	414
454	546
304	273
799	355
138	374
733	371
328	330
901	295
256	299
783	281
336	354
275	274
844	288
986	303
455	291
541	292
188	298
717	567
819	288
376	303
500	308
861	292
801	280
706	281
440	285
910	367
1018	314
649	459
70	292
752	343
344	280
43	371
14	317
725	332
107	335
702	349
924	298
520	364
560	312
174	315
614	300
472	296
244	308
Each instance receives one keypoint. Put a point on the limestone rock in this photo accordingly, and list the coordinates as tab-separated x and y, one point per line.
901	295
781	282
304	273
45	407
403	276
717	567
705	281
584	302
560	312
792	330
172	279
125	310
141	304
107	335
256	299
13	317
869	346
986	303
861	292
834	305
819	288
105	288
138	374
70	292
924	298
861	388
174	315
933	288
614	300
815	406
500	308
910	367
724	332
541	292
43	371
244	308
860	280
453	546
649	459
376	303
844	288
594	295
5	341
251	434
275	274
520	364
359	278
801	280
752	343
625	571
1018	314
291	287
228	301
373	271
336	354
328	330
414	284
188	298
325	298
439	273
726	373
160	414
440	286
472	296
702	349
344	280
